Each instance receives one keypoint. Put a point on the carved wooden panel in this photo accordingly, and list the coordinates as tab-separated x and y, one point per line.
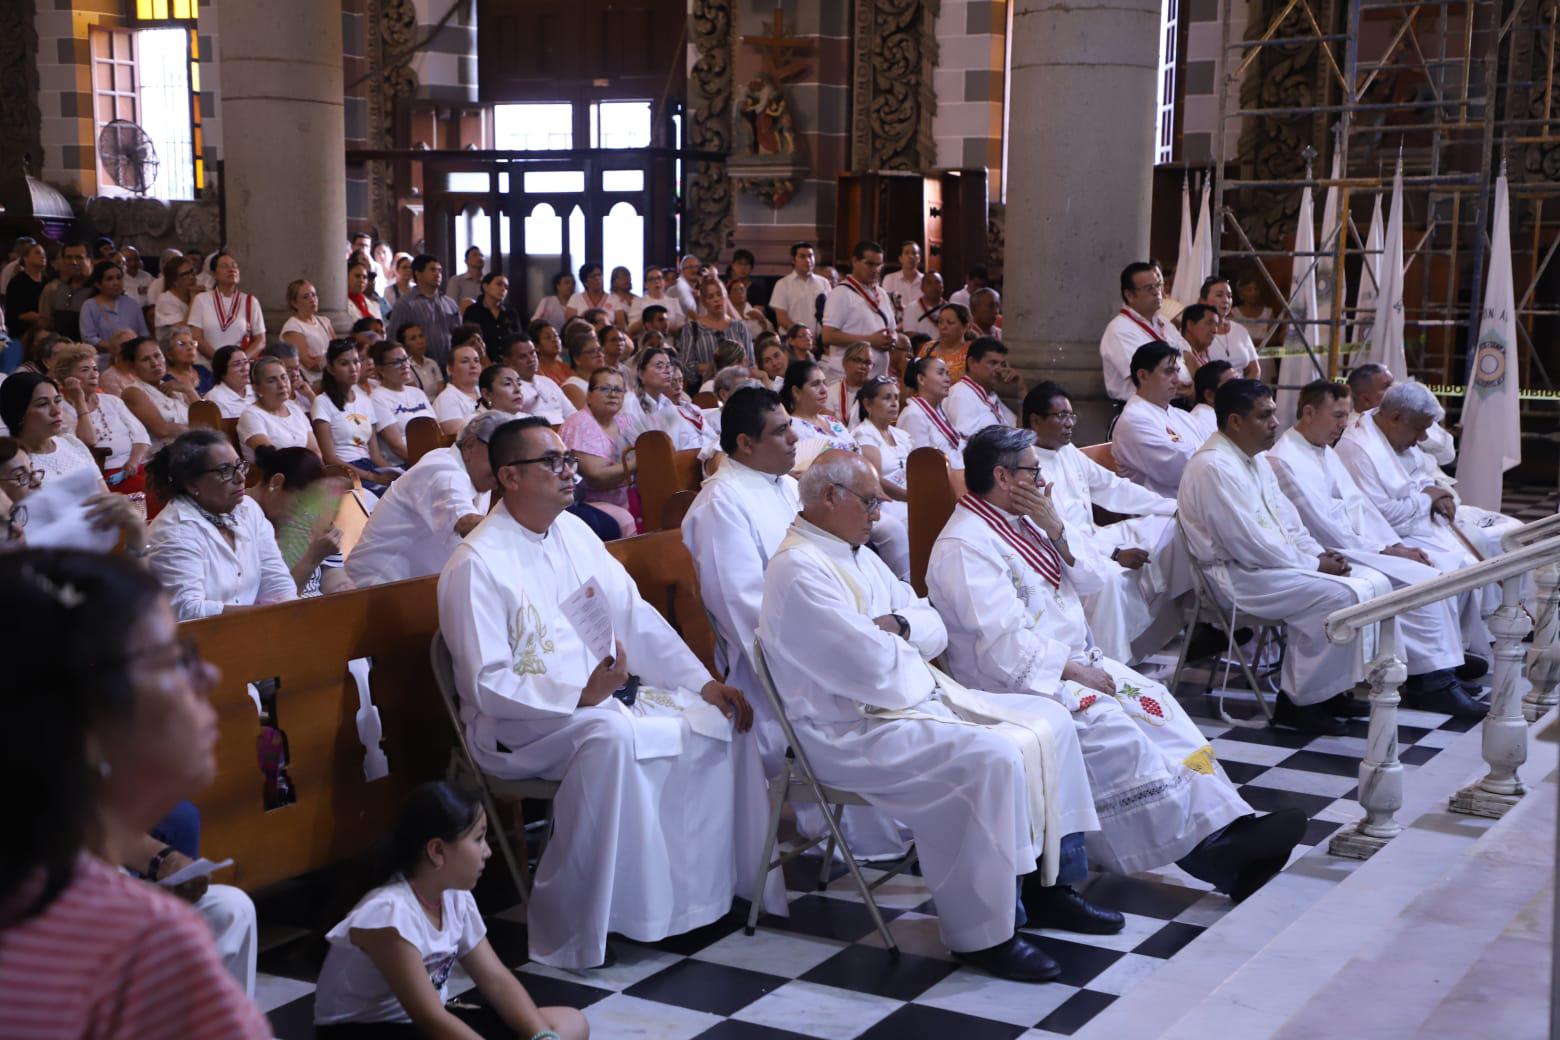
539	49
892	100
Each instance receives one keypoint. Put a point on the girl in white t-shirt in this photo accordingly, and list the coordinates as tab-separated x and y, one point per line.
396	403
390	959
344	418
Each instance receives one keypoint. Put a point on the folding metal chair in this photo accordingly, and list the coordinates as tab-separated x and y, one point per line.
798	784
1206	609
487	784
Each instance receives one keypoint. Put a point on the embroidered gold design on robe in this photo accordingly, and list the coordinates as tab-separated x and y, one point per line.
528	641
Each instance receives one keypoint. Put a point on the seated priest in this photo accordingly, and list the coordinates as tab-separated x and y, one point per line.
1367	384
1002	576
1383	452
1206	383
1261	561
1346	522
640	738
1139	562
1151	439
428	510
973	403
992	787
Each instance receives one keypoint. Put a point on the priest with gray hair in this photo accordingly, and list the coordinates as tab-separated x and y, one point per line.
1006	583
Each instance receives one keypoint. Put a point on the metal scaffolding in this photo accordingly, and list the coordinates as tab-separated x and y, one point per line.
1455	87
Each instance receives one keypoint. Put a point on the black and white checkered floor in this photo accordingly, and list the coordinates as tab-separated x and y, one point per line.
824	972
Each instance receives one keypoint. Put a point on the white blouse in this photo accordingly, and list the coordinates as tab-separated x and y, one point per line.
116	427
203	573
69	455
228	401
171	407
454	403
317	334
893	445
280	431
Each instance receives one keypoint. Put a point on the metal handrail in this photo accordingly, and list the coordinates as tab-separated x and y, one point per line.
1343	625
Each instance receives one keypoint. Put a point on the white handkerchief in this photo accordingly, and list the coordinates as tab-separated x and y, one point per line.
586	609
57	514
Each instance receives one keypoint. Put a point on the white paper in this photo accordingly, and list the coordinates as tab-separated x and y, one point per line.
57	514
202	867
586	609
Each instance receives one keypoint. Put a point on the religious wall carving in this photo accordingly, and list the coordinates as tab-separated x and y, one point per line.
709	215
892	100
21	139
391	33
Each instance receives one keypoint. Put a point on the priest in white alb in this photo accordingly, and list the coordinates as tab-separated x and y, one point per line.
1139	562
1369	382
1137	323
640	737
1006	581
1261	561
992	787
1152	440
1345	521
973	404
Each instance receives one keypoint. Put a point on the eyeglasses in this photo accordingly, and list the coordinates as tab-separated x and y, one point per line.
15	521
395	362
1064	416
23	478
555	464
610	391
179	653
871	503
1026	469
229	472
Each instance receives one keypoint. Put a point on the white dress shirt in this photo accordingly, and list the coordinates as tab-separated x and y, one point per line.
1122	338
203	573
411	533
798	297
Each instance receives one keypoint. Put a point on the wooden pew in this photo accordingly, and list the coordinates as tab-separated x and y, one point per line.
305	646
1102	454
205	416
931	504
422	436
663	471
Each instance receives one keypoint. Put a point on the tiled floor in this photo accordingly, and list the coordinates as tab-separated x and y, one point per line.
824	973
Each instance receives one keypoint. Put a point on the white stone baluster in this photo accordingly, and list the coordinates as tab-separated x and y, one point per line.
1381	774
1505	729
1544	655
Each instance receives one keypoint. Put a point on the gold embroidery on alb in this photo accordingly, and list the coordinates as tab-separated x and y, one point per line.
528	641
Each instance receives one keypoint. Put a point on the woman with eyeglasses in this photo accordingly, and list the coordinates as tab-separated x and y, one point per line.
396	400
843	394
585	355
607	460
179	353
100	420
19	478
275	420
211	547
232	392
110	726
33	410
160	404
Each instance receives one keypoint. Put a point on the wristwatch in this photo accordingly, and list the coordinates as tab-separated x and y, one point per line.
904	626
158	860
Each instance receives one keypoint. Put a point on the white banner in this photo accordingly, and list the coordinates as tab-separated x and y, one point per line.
1386	335
1492	429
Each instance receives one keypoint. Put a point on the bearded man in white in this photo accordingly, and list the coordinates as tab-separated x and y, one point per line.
1139	563
1344	521
1006	583
1382	451
988	784
1259	558
1152	440
643	841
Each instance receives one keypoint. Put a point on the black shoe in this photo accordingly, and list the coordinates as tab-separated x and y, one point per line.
1240	858
1441	693
1205	641
1020	959
1061	907
1473	667
1346	706
1310	718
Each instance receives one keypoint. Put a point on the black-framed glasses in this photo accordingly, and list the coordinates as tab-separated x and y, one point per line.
32	478
229	472
396	362
554	463
15	521
870	502
1026	469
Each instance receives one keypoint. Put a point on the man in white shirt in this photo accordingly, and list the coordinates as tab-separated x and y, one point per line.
642	839
416	526
1205	384
795	297
1151	439
847	644
975	279
686	289
466	289
1369	382
859	311
1139	561
904	284
539	395
1261	561
1136	323
1346	522
1006	583
137	278
920	314
1231	342
973	404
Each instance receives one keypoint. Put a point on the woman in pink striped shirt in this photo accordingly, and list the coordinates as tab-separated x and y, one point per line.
107	727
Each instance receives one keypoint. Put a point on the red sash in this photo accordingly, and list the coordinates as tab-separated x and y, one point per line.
991	400
1033	546
845	402
694	416
1131	316
225	320
872	299
943	426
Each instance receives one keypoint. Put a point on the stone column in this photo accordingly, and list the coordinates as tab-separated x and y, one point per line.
1080	167
284	169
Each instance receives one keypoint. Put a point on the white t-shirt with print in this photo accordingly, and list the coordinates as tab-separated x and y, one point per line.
396	408
350	427
351	988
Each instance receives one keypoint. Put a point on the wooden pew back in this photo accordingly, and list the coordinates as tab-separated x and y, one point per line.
422	436
931	504
305	647
204	415
663	471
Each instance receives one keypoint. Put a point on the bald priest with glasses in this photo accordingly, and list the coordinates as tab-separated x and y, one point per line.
640	737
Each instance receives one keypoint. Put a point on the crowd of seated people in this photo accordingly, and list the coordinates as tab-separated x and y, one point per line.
804	399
